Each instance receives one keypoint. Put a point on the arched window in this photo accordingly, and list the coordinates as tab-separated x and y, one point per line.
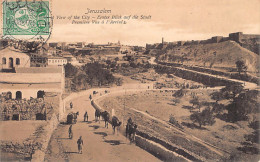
40	94
17	61
3	60
18	95
11	62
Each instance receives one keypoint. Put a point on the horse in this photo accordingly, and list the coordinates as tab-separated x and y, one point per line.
97	115
115	123
131	131
105	116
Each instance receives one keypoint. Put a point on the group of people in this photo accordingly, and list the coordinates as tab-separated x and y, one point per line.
130	123
80	140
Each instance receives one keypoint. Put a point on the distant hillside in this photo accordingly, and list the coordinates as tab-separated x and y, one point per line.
221	55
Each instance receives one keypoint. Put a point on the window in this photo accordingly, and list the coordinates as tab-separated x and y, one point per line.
17	61
3	60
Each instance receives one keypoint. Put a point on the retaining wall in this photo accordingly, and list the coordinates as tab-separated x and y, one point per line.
154	148
39	155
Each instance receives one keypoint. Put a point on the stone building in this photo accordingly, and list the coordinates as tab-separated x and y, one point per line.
25	81
11	59
56	61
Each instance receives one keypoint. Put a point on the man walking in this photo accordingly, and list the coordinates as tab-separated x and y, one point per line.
70	132
80	144
71	105
86	116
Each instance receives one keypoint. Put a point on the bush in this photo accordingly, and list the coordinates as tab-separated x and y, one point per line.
179	93
254	137
173	121
242	105
203	118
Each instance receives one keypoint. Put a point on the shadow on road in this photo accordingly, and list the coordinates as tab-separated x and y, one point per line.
101	133
70	152
114	142
88	122
62	138
94	126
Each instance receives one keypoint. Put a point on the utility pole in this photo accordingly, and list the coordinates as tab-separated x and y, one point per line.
124	107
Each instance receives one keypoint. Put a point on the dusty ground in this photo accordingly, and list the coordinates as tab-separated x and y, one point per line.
11	129
160	105
18	133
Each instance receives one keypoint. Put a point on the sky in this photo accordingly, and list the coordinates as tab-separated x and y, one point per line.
172	19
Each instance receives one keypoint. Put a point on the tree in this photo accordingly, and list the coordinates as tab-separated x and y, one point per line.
179	93
254	137
70	70
217	96
80	82
241	67
194	101
242	105
218	108
97	75
231	91
203	118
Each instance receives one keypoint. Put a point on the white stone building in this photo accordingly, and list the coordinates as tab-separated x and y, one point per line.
56	61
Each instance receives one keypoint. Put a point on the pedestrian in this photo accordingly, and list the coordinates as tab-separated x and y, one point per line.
70	132
86	116
90	97
71	105
80	144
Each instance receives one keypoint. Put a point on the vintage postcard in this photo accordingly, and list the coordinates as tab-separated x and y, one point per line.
139	80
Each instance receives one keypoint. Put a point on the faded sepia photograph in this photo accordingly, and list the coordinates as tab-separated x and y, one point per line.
129	80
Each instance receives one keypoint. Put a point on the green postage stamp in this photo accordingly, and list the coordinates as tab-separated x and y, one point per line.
26	18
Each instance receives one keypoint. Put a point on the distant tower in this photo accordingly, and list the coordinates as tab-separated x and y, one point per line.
162	40
118	42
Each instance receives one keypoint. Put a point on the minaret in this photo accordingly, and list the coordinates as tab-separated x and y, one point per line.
162	40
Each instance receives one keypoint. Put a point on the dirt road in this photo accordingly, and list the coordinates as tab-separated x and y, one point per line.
100	144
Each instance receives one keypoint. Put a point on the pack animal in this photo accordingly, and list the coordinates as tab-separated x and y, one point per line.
115	123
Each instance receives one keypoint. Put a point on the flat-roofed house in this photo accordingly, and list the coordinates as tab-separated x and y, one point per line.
56	61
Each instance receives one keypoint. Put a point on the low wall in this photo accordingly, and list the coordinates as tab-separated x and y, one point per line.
158	150
39	155
154	148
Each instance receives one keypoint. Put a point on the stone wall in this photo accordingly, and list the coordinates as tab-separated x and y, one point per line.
248	41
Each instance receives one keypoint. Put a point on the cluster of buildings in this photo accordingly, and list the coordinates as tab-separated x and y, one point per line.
27	72
21	81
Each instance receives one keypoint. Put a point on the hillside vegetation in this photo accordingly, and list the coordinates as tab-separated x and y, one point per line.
215	55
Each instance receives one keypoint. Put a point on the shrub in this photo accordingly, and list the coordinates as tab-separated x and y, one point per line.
203	118
179	93
173	121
